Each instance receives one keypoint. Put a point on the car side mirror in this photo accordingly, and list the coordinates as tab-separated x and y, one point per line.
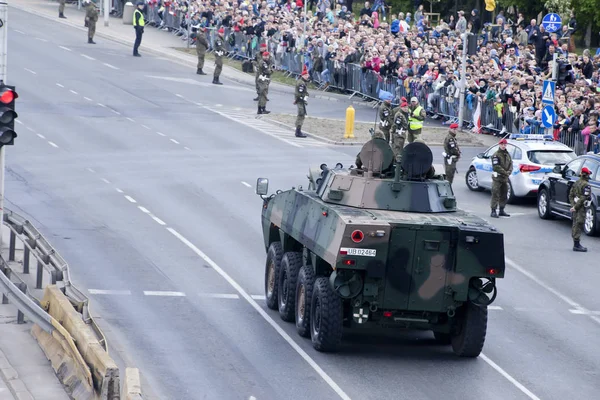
557	169
480	155
262	186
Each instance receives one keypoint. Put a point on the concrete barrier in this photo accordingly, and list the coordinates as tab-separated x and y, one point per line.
132	389
104	371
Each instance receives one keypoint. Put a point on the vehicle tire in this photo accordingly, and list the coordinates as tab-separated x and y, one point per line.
590	227
272	267
471	180
442	338
286	285
511	199
543	204
471	329
326	317
304	290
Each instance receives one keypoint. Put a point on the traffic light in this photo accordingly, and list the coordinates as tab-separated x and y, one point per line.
7	115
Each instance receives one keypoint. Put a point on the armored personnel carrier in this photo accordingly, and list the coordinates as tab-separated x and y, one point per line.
383	245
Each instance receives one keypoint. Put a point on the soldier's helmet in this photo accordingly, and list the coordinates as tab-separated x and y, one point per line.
376	134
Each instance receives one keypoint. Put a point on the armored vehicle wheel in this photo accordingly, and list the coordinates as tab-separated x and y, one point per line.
471	329
326	317
286	285
442	338
304	289
272	268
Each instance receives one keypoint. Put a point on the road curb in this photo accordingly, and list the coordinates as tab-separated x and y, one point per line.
11	377
316	137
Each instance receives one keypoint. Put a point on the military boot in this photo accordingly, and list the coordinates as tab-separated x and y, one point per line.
493	214
502	213
216	81
91	41
200	72
255	99
578	247
61	15
299	132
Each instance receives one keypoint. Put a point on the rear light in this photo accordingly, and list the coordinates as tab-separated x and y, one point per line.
348	262
357	236
387	314
529	168
492	271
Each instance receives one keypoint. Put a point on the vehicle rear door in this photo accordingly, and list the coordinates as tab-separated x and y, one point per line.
562	186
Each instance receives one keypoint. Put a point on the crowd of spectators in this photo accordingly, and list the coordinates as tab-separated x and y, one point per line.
407	50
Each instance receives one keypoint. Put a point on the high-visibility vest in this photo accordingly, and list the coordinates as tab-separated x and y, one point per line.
413	123
142	22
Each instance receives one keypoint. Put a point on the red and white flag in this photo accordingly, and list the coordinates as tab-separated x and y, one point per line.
477	119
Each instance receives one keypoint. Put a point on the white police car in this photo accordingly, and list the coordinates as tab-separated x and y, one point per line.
533	157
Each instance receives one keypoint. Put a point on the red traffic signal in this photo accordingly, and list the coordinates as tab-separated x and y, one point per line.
7	114
7	95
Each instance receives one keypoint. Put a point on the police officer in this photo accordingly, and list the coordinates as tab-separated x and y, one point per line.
580	197
386	118
138	25
264	78
502	167
91	17
201	47
219	52
415	119
451	153
398	130
300	95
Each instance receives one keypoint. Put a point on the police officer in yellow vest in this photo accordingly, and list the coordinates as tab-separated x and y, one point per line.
138	25
416	117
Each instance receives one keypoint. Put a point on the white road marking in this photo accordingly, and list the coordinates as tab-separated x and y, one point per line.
19	122
110	66
259	297
130	119
495	308
178	95
246	184
101	105
105	180
59	85
509	377
187	148
41	136
88	57
174	141
91	170
161	134
65	48
116	112
52	144
218	105
145	126
263	314
143	209
88	99
584	312
160	221
29	128
555	292
40	39
109	292
199	104
118	190
18	31
28	70
131	199
220	295
251	398
72	91
165	293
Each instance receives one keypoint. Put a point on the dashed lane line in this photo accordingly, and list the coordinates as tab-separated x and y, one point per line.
72	91
118	190
52	144
59	85
101	105
508	377
116	112
144	209
19	122
28	70
174	141
65	48
246	184
105	180
110	66
88	99
110	292
130	119
18	31
158	220
131	199
88	57
163	293
145	127
41	136
41	39
187	148
160	133
93	171
584	312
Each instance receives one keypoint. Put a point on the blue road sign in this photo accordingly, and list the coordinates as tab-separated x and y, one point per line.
551	22
548	90
548	116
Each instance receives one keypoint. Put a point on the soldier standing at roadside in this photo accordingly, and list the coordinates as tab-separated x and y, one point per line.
415	119
386	118
300	95
257	63
580	197
219	51
91	17
451	153
502	166
201	47
264	78
61	9
398	130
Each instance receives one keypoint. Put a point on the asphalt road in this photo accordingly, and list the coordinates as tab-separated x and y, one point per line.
145	186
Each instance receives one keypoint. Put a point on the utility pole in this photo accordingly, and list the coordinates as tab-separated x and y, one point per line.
106	12
463	81
3	61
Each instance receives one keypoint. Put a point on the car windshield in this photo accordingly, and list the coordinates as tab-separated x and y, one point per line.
551	157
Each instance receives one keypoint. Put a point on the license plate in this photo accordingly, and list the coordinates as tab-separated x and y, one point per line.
359	252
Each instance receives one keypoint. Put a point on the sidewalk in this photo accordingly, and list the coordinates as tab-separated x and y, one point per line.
25	372
155	42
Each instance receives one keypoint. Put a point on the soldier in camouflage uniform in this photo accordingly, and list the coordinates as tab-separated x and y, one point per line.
61	9
300	95
219	52
257	62
502	166
386	118
91	17
201	47
264	78
398	131
580	197
451	153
